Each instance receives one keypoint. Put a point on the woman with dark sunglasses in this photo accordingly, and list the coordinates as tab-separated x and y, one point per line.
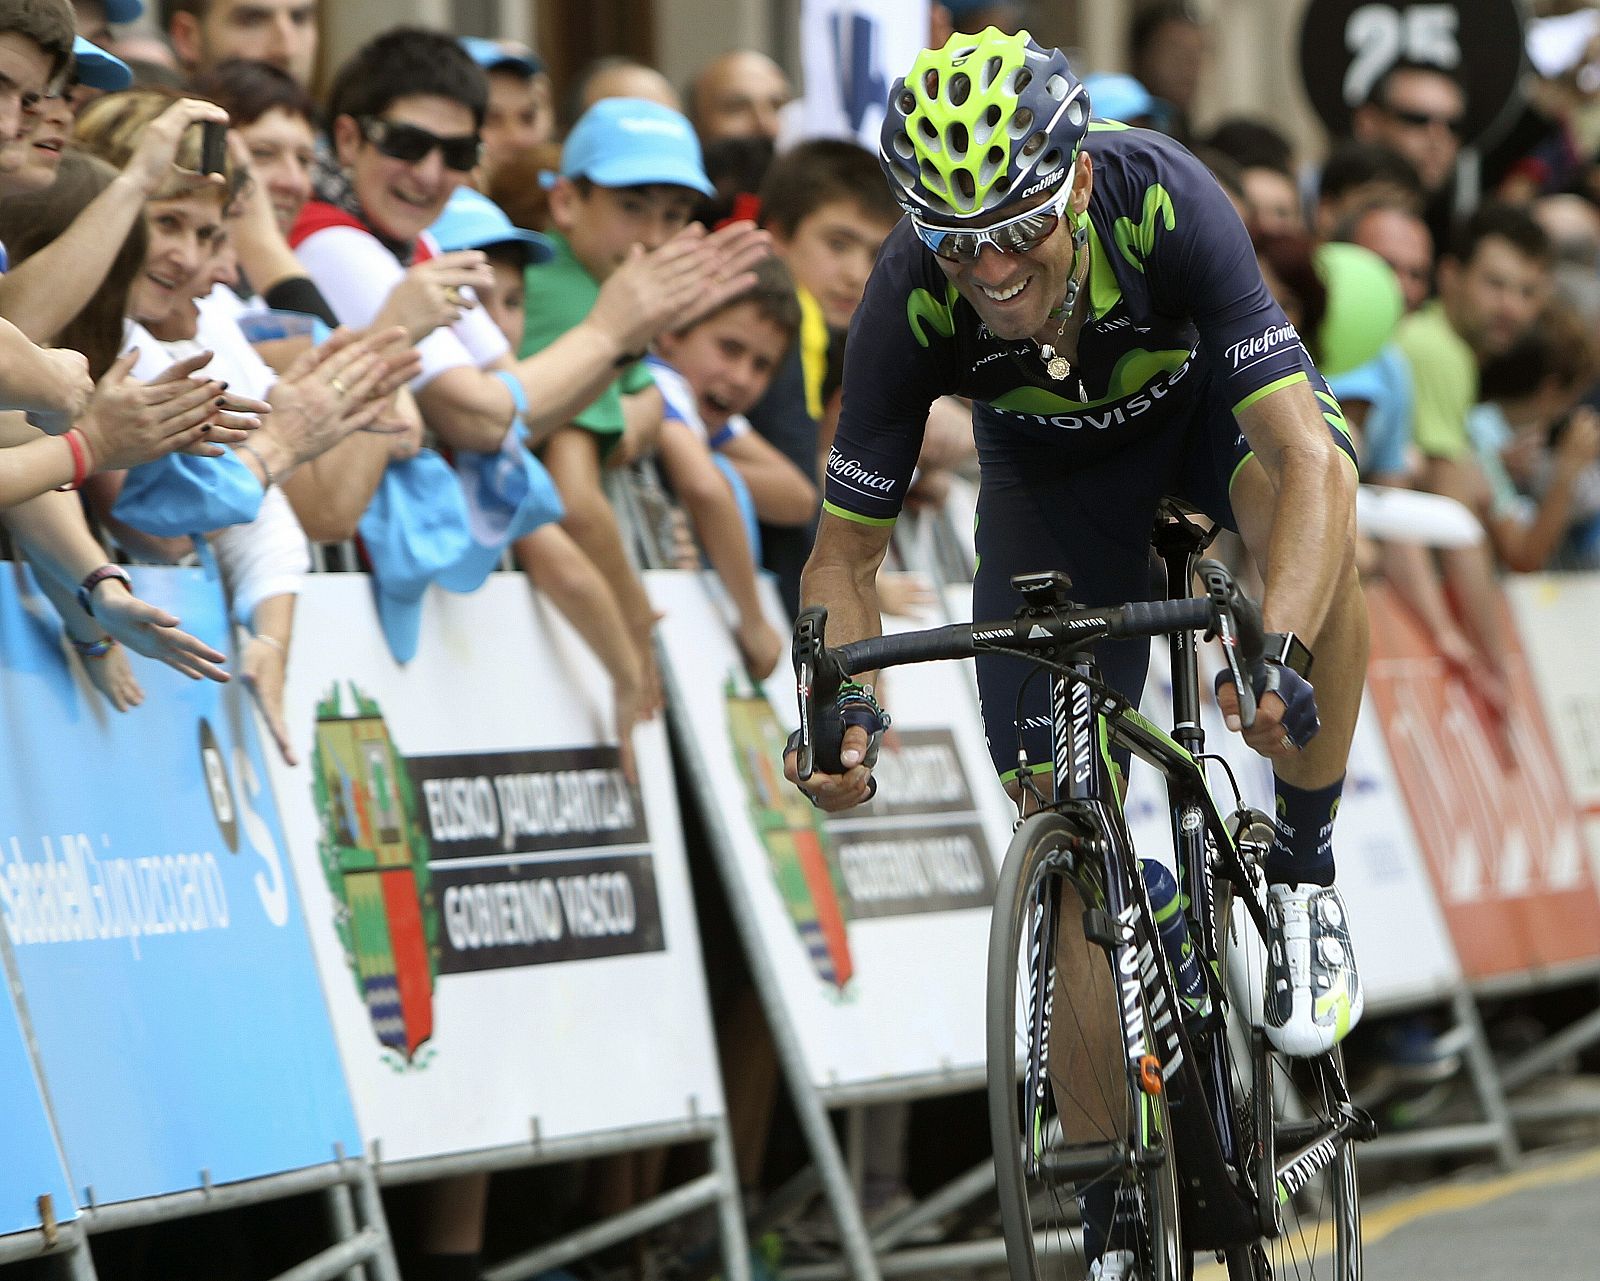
406	112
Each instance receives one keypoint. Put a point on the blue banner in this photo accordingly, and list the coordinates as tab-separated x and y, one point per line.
146	888
30	1166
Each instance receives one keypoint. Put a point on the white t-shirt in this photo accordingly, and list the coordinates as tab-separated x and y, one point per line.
355	274
269	555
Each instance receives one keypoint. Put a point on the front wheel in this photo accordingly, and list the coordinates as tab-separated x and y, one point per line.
1083	1163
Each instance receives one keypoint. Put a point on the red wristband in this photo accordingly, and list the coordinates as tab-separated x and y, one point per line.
80	460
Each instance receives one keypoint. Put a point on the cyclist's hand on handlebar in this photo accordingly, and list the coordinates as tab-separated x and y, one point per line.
835	792
1286	709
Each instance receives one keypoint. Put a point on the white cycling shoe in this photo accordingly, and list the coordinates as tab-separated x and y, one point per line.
1114	1265
1313	993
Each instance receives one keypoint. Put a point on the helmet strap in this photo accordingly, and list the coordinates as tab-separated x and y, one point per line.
1075	277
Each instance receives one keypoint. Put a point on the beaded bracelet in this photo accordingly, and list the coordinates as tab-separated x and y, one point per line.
95	648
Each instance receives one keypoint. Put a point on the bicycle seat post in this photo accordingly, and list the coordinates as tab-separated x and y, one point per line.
1178	541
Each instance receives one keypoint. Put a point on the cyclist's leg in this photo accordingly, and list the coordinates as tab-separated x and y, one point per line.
1224	478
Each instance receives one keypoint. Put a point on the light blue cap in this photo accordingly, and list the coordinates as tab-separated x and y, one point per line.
97	68
629	142
1121	97
472	221
497	55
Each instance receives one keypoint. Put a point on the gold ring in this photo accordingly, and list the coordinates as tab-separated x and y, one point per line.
455	297
337	384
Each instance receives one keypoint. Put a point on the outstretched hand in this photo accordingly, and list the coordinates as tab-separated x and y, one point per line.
152	631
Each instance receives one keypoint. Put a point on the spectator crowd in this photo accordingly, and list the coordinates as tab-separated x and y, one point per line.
434	315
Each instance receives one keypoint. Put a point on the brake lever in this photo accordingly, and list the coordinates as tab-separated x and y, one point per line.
1223	593
817	677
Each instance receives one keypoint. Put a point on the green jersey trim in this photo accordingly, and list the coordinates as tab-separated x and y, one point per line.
1261	392
880	522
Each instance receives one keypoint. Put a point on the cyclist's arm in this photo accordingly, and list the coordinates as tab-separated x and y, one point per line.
842	574
1313	517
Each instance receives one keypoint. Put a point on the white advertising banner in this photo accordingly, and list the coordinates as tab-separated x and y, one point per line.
503	923
875	922
851	52
1556	615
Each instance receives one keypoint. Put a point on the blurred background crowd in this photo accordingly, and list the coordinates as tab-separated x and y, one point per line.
421	305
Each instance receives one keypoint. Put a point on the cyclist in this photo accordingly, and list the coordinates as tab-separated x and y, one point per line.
1091	289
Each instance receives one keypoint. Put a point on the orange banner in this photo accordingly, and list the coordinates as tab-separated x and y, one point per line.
1491	807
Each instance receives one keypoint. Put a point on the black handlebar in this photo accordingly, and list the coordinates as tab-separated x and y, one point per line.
819	670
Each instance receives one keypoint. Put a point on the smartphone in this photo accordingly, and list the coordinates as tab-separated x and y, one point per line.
213	146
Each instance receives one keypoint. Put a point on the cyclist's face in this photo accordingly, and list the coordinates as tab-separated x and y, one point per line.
1013	293
1493	298
603	223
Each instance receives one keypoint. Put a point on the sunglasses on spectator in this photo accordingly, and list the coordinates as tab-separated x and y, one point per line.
1013	236
1423	119
414	145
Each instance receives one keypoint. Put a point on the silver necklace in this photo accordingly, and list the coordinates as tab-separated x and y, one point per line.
1055	364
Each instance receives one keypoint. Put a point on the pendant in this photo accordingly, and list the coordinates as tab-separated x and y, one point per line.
1058	367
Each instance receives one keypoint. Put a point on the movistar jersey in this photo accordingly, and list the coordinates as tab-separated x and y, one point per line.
1174	294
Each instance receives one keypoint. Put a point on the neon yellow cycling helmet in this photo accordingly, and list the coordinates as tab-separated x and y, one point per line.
987	121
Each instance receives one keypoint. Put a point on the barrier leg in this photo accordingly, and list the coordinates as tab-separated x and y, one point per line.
78	1263
730	1207
369	1208
1486	1078
342	1221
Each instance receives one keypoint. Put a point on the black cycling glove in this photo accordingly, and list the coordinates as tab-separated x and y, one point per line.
1267	676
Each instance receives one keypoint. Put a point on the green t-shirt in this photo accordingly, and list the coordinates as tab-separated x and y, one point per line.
1444	373
560	293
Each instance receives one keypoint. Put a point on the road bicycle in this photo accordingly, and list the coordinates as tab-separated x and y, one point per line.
1128	1118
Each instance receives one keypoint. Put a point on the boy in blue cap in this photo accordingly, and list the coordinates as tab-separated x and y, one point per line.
630	177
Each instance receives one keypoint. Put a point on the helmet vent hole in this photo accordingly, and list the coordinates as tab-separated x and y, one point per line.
908	102
1077	113
1056	86
930	82
930	135
932	178
1021	122
991	69
960	88
903	146
958	140
1033	146
964	185
1050	162
1021	81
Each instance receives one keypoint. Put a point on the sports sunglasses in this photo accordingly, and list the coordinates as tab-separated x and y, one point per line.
1013	236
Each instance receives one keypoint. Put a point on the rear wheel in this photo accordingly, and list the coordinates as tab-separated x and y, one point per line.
1070	1124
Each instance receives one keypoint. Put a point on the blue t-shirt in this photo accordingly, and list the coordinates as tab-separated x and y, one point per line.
1384	384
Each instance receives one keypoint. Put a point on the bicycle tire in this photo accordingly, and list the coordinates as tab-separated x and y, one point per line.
1320	1238
1037	1212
